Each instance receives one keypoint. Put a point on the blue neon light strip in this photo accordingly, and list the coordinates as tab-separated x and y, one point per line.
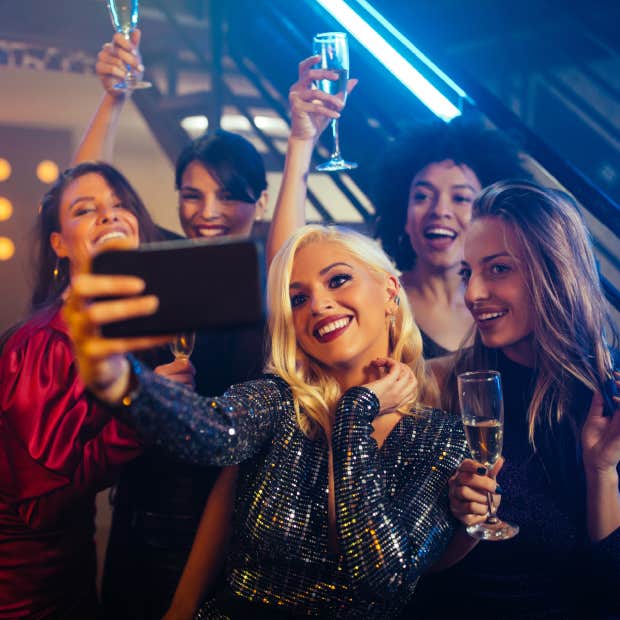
399	36
411	78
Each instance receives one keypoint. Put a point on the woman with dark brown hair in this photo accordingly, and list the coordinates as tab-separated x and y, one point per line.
58	447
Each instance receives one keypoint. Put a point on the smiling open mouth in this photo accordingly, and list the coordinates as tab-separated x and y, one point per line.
211	231
116	234
439	232
484	317
331	330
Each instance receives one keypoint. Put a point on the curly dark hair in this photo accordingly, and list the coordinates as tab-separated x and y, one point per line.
48	288
489	154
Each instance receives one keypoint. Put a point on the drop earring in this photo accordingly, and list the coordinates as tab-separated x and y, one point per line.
56	270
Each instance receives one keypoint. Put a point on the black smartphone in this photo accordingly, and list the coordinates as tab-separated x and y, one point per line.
201	285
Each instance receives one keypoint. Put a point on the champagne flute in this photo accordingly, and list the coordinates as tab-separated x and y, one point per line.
124	16
183	345
333	49
482	413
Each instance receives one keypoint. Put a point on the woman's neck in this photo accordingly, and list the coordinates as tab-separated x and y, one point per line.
442	285
521	352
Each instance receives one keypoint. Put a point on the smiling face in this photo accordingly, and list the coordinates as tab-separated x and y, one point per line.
497	294
90	216
340	309
205	211
440	201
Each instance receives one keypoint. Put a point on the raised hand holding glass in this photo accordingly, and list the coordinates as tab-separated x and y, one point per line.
333	49
124	17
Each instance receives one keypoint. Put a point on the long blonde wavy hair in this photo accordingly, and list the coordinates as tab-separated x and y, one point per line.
315	391
571	314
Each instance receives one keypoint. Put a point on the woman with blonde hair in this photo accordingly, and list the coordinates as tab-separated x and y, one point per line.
533	289
342	494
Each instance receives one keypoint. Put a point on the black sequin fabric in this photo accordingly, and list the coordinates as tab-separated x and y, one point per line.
392	515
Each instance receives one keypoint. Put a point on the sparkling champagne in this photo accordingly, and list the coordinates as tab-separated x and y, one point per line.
183	345
485	439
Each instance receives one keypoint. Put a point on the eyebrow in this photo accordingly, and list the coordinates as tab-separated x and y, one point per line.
455	186
488	259
322	272
80	199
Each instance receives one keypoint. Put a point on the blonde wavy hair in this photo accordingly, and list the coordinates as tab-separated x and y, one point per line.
316	393
571	314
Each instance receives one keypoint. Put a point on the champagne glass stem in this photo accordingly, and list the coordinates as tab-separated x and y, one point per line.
336	149
492	516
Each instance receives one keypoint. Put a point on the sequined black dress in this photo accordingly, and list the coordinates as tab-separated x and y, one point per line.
549	570
392	512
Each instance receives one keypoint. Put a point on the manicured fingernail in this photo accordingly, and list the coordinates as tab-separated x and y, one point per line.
140	67
481	471
499	490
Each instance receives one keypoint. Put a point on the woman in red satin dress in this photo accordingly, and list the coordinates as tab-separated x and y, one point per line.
58	447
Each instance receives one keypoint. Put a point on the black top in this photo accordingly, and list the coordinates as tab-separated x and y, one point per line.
159	500
431	348
549	570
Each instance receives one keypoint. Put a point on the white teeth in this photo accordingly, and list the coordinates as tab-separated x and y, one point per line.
331	327
487	316
112	235
440	232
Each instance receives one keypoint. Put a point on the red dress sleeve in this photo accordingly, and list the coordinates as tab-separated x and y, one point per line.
58	442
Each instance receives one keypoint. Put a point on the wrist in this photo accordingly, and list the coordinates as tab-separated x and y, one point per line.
120	390
601	475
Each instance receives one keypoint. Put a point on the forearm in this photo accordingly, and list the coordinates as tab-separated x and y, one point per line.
390	538
98	140
603	503
460	545
290	209
101	460
208	552
205	431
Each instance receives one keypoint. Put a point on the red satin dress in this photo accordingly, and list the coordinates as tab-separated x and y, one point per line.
58	448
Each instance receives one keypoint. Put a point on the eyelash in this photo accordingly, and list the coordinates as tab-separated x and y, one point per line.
499	269
339	279
458	198
465	274
336	281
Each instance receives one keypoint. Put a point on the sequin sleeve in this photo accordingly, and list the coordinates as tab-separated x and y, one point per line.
206	431
388	541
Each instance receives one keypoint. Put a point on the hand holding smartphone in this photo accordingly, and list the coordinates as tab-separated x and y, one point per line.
211	284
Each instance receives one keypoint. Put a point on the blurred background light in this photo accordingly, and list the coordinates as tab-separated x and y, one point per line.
5	169
47	171
7	248
394	62
6	209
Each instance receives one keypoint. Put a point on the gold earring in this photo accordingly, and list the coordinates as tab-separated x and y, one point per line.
56	271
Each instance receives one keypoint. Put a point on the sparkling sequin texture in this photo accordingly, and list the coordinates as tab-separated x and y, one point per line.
392	513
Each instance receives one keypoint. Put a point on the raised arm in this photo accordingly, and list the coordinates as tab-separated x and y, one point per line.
98	140
311	112
389	539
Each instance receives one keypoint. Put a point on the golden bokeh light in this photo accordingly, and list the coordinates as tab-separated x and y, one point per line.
7	248
5	169
47	171
6	209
